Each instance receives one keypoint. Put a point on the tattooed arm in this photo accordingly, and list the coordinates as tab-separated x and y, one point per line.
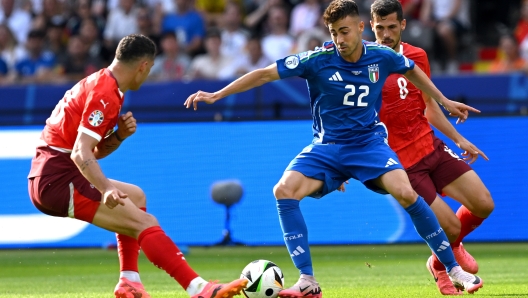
108	145
126	126
83	156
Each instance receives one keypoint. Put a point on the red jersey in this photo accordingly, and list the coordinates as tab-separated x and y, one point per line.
92	106
402	111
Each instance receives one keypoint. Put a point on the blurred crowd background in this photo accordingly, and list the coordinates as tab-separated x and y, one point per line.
57	41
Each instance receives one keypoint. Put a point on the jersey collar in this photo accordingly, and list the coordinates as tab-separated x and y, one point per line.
109	73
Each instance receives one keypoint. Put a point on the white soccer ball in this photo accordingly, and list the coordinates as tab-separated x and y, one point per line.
265	279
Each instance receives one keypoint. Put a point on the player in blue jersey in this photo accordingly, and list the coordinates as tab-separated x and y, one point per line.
345	78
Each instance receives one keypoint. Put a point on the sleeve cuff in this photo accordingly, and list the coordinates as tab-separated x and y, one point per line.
90	133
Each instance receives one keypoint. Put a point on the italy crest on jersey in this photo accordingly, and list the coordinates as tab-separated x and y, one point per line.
96	118
373	73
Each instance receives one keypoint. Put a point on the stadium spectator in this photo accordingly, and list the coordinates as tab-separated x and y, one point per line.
258	14
450	19
187	24
78	63
314	43
33	6
4	72
305	41
212	65
164	6
234	37
39	22
121	22
252	59
212	10
10	50
508	59
37	65
54	11
98	8
521	29
89	34
278	43
82	10
172	64
305	16
145	24
56	38
18	20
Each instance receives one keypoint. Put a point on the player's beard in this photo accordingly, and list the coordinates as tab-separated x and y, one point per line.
394	44
397	43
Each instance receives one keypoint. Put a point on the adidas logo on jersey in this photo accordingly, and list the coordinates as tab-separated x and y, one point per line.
391	162
336	77
297	251
443	246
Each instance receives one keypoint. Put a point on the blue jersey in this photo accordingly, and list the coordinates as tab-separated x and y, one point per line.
29	67
345	97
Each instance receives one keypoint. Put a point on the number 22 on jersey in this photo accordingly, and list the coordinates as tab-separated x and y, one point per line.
352	92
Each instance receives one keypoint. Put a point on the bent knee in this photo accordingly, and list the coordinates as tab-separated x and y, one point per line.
140	199
282	191
405	195
452	230
485	206
145	221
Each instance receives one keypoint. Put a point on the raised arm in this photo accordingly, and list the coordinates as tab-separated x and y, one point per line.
436	117
422	82
246	82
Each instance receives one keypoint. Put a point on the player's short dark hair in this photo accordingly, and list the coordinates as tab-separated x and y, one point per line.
339	9
383	8
135	46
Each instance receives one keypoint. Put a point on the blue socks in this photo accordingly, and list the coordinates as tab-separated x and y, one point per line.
429	229
295	234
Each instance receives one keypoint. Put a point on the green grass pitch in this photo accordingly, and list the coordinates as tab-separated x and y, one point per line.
343	271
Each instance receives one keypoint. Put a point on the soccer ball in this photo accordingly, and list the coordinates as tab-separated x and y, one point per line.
265	279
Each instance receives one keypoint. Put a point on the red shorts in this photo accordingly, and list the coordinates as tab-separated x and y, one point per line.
436	170
64	194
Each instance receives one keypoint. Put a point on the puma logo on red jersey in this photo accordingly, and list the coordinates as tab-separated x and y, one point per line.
104	104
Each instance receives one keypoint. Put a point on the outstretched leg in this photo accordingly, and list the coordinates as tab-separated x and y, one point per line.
160	249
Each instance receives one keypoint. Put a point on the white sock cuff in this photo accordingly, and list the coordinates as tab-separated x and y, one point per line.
196	286
133	276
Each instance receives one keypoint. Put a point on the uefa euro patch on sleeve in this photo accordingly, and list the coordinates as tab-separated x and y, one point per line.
291	62
96	118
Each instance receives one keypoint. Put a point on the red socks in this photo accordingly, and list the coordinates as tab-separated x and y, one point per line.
164	254
469	223
128	251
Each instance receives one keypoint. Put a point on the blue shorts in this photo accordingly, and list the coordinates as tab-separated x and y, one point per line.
335	163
